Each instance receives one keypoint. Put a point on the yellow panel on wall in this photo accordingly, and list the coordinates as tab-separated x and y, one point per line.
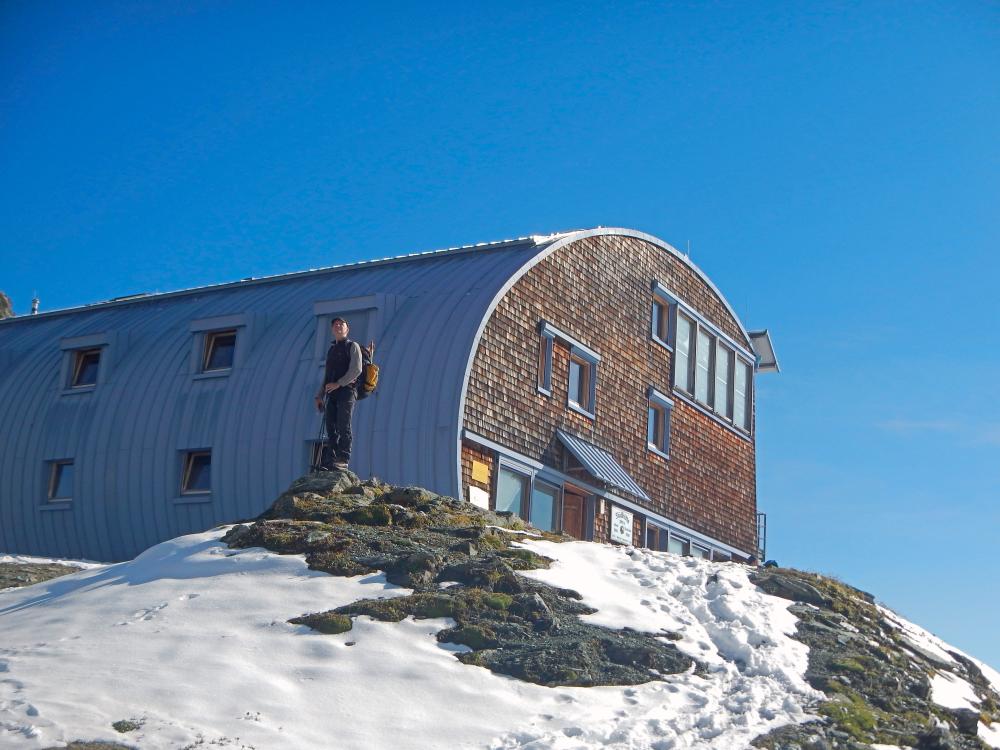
480	472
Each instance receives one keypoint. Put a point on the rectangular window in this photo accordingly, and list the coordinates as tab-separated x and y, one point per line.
197	473
86	363
703	552
581	375
702	378
545	364
678	545
741	411
61	480
544	506
661	321
220	346
658	423
512	488
723	377
682	353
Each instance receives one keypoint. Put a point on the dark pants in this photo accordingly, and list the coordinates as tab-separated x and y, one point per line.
339	412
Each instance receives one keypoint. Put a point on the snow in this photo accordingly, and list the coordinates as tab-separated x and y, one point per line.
191	640
25	559
951	691
990	735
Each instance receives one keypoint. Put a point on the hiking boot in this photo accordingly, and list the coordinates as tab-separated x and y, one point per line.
340	465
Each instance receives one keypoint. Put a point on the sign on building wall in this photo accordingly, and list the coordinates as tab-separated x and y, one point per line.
478	497
621	525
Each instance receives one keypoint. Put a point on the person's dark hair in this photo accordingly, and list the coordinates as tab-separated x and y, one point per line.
341	320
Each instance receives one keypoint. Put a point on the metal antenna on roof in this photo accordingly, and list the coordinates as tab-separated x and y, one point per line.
688	253
34	303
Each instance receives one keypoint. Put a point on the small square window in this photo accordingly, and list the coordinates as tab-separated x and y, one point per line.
678	545
220	346
61	480
86	363
197	473
512	491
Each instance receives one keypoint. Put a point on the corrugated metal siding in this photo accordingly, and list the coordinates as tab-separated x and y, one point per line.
601	464
127	437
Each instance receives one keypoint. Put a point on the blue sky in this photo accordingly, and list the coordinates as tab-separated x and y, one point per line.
835	168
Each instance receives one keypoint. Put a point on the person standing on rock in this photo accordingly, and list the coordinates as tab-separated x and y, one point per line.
337	395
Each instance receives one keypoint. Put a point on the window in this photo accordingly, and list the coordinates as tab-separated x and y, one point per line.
579	383
582	375
656	537
61	481
545	341
703	552
723	375
220	346
678	545
682	353
741	399
658	423
512	489
707	365
661	321
86	363
544	509
197	473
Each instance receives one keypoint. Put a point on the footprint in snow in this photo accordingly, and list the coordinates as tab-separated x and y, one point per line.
188	597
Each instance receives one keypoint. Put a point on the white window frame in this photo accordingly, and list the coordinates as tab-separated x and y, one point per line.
663	406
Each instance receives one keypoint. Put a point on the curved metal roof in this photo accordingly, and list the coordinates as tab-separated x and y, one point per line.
127	437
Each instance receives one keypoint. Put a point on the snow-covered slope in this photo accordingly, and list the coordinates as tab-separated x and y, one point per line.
191	640
191	644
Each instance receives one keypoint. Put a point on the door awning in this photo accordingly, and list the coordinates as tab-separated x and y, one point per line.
601	464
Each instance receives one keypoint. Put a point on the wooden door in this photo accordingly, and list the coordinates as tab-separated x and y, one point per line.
573	505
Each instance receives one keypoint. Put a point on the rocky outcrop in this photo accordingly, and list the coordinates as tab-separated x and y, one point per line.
877	680
460	563
13	575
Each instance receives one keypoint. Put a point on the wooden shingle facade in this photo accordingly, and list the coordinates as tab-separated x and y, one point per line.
593	381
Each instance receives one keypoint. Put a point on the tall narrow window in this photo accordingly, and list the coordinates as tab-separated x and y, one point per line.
544	506
741	396
661	321
658	423
702	378
682	353
219	349
86	363
723	378
581	377
545	364
61	481
197	473
512	488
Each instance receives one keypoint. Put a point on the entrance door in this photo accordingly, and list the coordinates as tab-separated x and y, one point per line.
573	506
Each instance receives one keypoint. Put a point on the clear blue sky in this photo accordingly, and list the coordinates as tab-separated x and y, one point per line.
834	166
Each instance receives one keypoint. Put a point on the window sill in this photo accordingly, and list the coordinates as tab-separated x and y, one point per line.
193	499
56	505
211	374
662	343
683	396
580	410
79	389
653	449
544	391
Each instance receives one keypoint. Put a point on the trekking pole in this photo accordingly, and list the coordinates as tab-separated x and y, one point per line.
322	439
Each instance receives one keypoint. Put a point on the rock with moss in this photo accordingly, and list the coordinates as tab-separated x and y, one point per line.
876	681
14	575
